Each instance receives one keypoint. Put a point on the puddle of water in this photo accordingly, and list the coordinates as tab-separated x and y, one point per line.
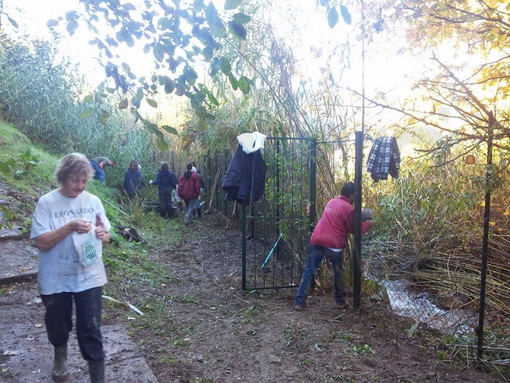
419	307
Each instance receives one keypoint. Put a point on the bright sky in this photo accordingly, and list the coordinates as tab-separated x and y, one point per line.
302	24
32	16
309	31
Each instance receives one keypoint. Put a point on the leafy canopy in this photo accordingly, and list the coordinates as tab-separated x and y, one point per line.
174	35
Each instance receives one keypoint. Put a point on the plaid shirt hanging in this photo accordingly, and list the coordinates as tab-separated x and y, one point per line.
384	159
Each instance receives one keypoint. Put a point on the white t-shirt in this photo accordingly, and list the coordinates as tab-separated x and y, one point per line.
60	269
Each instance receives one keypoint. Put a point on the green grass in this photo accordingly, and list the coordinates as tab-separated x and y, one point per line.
15	154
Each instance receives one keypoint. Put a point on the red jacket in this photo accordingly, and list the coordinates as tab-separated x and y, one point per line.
336	222
189	186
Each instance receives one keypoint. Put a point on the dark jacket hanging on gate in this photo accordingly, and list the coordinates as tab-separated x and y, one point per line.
384	159
245	177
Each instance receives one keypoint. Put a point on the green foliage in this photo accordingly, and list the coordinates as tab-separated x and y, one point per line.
364	349
41	95
196	28
20	165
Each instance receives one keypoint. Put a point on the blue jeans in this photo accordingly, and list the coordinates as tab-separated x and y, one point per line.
191	205
315	255
98	172
59	322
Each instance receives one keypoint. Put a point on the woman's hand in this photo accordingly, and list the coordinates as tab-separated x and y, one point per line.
103	235
80	226
48	240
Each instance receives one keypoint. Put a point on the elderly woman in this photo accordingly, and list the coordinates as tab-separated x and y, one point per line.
69	227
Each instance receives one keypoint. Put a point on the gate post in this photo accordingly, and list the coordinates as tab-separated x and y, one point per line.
313	183
356	259
485	242
243	245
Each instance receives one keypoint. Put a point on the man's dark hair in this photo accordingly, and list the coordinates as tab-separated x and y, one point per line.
347	189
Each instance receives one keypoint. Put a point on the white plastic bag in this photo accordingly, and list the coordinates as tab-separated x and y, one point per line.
88	247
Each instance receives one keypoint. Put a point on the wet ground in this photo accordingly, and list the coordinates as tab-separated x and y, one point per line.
26	356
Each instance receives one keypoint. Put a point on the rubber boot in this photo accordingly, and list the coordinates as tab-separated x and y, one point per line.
59	372
96	371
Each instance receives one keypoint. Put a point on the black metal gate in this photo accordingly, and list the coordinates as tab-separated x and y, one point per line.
276	229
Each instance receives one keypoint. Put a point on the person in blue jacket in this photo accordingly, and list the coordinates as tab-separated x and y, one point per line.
99	164
166	181
133	180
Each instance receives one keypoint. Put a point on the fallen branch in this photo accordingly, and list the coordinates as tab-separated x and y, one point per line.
125	303
115	207
213	190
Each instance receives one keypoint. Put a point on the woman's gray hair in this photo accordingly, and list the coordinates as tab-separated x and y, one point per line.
73	164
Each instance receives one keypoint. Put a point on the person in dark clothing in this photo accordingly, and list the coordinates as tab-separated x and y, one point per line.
166	181
99	164
133	180
198	210
189	190
328	239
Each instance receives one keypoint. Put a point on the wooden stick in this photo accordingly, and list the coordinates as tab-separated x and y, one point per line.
213	189
115	207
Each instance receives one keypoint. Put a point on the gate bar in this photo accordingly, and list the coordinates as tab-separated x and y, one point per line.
356	268
485	243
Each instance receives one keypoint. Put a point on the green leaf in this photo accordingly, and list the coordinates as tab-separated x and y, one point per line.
237	29
8	213
345	14
217	27
215	66
244	84
170	130
137	98
169	86
198	5
413	329
226	68
71	27
232	4
165	23
233	81
89	112
125	36
212	99
129	7
52	23
241	18
162	144
332	17
190	76
13	22
151	102
103	117
207	52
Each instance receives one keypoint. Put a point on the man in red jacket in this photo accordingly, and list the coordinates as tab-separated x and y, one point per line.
329	239
189	190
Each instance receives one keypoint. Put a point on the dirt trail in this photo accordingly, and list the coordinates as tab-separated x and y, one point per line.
214	332
223	334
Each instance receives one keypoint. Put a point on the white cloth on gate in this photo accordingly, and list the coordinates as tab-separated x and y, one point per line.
251	142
